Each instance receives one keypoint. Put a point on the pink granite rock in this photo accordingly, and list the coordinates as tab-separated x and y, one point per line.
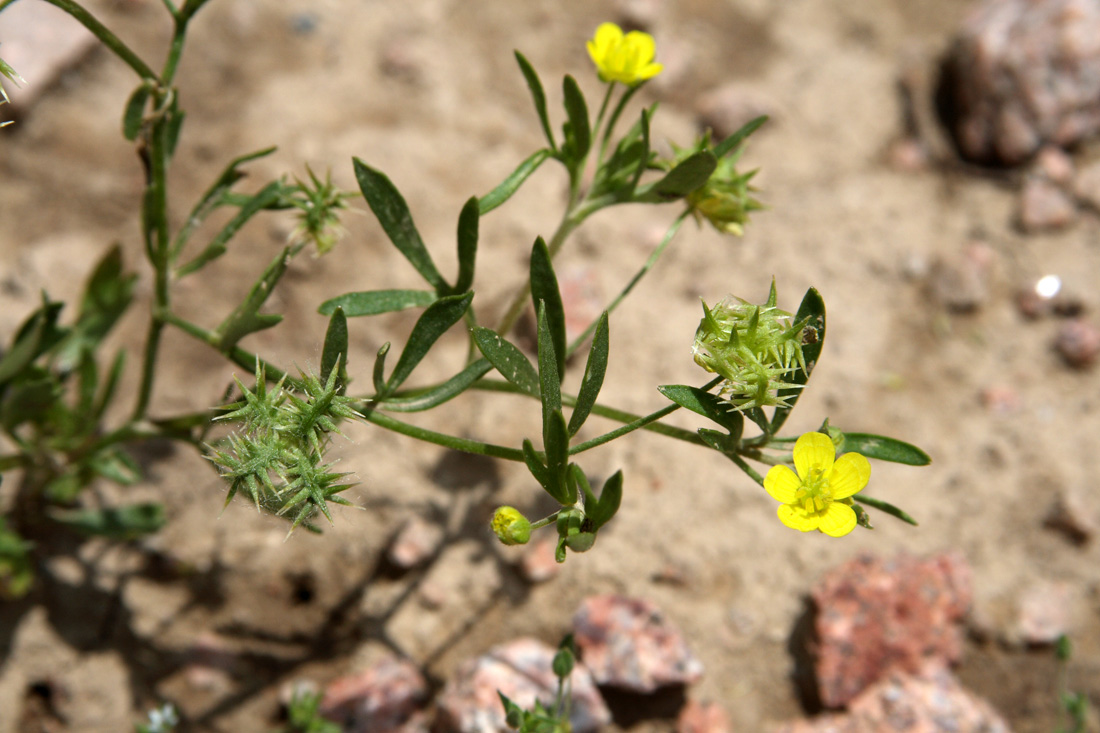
703	717
382	698
627	643
874	615
1044	611
1044	206
930	701
1023	73
1078	343
521	670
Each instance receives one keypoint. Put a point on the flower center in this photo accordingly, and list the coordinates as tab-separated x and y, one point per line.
814	495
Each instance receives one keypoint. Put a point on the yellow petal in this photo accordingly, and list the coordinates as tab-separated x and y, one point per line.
797	518
608	36
782	484
642	46
838	520
850	474
813	450
649	71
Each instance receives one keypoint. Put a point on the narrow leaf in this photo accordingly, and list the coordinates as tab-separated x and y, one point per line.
393	214
134	113
887	507
722	442
705	404
427	399
730	143
511	184
884	449
594	372
334	354
246	318
544	289
577	111
119	523
507	359
373	302
611	496
549	382
536	466
813	338
689	175
379	373
267	197
557	457
538	96
37	334
433	323
467	244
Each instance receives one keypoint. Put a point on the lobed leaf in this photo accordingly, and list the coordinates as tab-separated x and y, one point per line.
538	96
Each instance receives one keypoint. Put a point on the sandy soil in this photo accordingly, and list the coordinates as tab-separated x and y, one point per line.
111	628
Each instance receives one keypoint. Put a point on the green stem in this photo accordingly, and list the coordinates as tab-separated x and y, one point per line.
615	118
628	428
599	123
749	470
241	357
105	36
465	445
649	263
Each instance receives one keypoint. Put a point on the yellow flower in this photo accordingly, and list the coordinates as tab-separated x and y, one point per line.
818	497
628	58
511	527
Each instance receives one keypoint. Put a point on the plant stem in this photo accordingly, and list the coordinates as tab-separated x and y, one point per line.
105	36
465	445
628	428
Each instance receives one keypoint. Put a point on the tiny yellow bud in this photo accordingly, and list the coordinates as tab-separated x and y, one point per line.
511	527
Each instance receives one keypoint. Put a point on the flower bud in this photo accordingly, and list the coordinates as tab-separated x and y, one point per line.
511	527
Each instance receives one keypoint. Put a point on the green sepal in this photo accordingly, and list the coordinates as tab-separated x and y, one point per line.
393	214
581	541
436	320
812	311
422	400
334	353
246	318
513	714
507	359
730	143
511	184
134	113
594	372
374	302
886	507
544	290
692	173
468	221
578	130
38	334
118	523
266	198
884	449
215	196
706	404
538	96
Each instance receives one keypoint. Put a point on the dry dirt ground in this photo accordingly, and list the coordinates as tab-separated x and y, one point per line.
427	91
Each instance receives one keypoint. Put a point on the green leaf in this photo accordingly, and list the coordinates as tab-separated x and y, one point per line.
37	334
467	244
119	523
556	438
544	289
813	338
373	302
611	496
887	507
174	126
594	372
690	174
730	143
107	393
511	184
29	399
427	399
884	449
538	96
267	197
107	295
433	323
722	442
214	196
380	368
134	113
246	318
16	569
549	382
507	359
536	466
334	354
393	214
579	131
705	404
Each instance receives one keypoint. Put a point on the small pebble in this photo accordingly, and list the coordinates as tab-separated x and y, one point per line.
1043	206
1078	343
703	717
1074	516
